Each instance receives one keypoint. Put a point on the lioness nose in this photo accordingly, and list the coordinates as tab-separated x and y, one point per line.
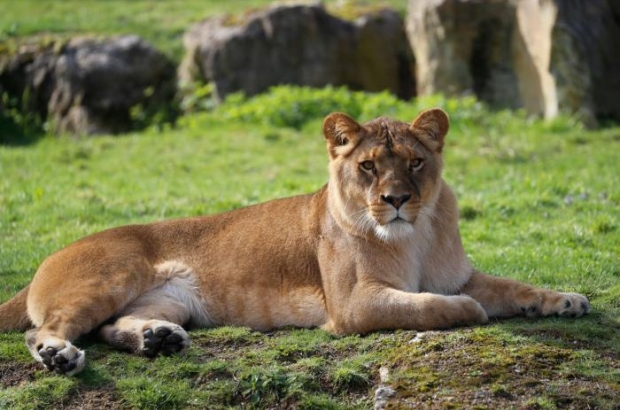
396	201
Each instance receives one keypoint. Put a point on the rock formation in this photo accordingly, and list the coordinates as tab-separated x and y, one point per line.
495	49
88	86
542	55
302	45
585	58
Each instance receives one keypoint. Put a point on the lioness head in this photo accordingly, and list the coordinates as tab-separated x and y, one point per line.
384	174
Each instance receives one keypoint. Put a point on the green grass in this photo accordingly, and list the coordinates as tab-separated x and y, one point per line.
158	21
540	203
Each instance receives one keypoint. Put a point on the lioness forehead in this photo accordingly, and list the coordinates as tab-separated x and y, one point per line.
390	133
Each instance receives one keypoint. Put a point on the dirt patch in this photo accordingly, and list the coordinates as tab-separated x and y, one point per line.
100	398
16	374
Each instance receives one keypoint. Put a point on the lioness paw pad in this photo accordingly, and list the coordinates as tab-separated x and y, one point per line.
67	359
164	338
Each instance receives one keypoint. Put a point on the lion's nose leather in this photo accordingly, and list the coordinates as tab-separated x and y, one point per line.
396	201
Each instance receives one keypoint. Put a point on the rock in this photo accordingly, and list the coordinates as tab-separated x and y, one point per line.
542	55
89	86
301	45
585	61
382	397
479	47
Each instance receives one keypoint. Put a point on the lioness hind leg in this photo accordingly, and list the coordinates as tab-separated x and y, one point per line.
56	354
51	345
146	337
152	324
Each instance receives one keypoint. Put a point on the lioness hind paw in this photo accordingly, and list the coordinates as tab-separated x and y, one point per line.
68	360
165	339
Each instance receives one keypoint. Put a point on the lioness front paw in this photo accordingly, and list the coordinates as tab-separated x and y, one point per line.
164	338
472	312
62	357
451	311
566	304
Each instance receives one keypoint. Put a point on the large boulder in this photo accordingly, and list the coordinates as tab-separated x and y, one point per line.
585	58
302	45
489	48
86	85
542	55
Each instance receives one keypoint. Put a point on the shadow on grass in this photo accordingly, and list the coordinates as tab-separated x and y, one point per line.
12	134
597	331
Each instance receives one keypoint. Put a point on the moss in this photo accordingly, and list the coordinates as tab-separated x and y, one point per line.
352	10
55	43
490	365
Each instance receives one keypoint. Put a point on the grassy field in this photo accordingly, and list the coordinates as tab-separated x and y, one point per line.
540	202
161	22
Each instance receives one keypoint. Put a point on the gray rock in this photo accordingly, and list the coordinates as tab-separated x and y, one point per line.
301	45
585	59
89	86
542	55
497	50
382	397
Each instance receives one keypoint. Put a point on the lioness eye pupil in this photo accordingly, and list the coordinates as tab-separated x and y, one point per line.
368	165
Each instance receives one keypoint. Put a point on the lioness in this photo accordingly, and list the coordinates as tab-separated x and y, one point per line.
377	247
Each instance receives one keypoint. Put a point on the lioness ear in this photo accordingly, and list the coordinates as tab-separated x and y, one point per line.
340	131
431	126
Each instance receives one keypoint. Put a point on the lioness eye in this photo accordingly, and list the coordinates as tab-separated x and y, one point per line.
416	164
367	165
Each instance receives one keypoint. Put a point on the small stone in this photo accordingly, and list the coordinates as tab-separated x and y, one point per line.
384	374
382	395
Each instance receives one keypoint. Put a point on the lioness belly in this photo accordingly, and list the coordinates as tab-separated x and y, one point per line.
266	308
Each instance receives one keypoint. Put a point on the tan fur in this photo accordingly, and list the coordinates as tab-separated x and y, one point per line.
377	248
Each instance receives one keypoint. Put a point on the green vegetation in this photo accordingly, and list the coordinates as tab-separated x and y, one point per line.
540	203
292	107
160	22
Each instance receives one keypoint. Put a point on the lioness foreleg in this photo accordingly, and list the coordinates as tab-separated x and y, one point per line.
388	308
503	297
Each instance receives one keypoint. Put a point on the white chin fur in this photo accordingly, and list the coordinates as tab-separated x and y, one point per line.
394	231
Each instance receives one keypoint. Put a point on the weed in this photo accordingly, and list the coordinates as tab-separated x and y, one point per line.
264	386
150	393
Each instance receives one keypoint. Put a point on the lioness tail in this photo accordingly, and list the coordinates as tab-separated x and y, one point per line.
14	314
